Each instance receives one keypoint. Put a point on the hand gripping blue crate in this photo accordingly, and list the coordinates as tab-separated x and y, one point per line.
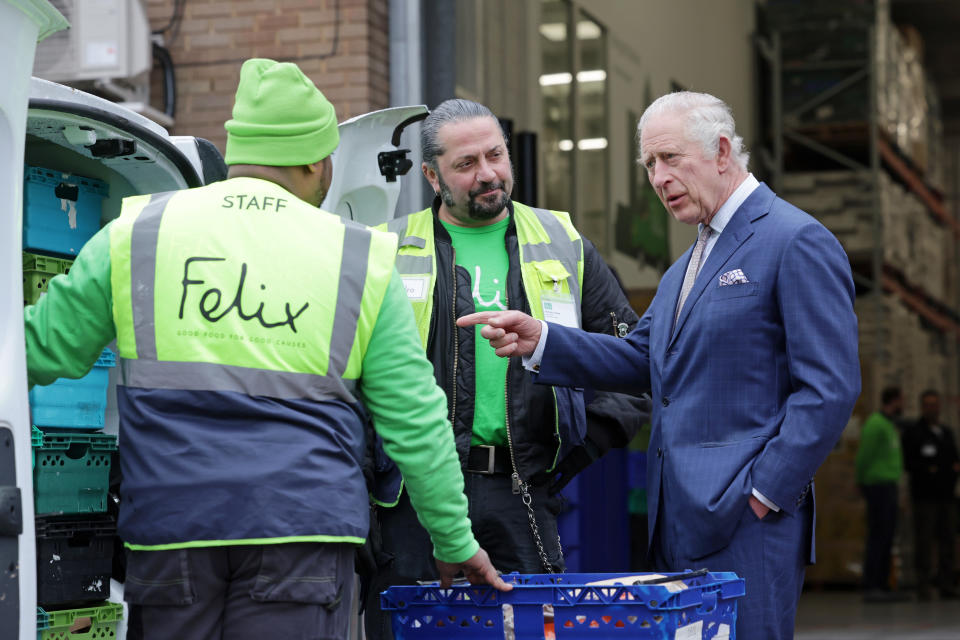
60	211
74	404
687	606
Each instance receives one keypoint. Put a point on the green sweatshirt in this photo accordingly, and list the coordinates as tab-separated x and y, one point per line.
69	327
879	459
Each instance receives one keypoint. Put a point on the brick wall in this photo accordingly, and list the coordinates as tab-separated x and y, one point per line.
342	45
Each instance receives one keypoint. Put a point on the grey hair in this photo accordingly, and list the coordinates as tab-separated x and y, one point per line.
454	110
708	118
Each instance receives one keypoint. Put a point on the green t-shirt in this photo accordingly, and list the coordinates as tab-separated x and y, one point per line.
879	459
483	253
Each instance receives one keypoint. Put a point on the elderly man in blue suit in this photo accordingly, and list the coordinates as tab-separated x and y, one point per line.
749	350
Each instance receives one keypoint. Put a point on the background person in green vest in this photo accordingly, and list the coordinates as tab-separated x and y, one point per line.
879	465
248	324
475	249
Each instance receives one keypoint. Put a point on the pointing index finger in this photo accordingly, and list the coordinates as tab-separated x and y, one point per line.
471	319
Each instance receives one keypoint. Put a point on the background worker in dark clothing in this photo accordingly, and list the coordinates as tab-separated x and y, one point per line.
930	455
476	249
879	466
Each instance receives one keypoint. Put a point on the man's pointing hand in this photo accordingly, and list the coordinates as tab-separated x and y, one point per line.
511	333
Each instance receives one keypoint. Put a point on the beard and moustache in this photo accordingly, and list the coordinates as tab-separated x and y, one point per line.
478	210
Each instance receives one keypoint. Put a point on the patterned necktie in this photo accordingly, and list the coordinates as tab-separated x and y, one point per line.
693	268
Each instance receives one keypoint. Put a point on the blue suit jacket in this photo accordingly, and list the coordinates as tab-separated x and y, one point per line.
753	387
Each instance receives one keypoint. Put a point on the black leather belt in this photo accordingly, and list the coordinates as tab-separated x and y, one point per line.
489	460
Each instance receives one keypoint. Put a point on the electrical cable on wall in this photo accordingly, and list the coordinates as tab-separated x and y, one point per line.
163	38
162	55
173	26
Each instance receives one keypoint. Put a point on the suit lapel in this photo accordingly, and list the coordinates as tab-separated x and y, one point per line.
737	231
663	320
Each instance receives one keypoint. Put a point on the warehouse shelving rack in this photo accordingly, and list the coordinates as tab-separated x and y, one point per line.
792	139
857	146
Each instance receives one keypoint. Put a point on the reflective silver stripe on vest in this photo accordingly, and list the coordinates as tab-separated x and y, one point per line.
399	227
415	264
413	241
205	376
560	248
147	372
544	251
353	278
143	272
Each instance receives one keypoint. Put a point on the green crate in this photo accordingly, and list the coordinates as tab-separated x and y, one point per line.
84	624
37	272
72	472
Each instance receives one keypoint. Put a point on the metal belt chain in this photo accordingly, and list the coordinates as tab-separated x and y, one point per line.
528	502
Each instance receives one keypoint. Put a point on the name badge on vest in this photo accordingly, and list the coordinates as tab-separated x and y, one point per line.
560	309
416	287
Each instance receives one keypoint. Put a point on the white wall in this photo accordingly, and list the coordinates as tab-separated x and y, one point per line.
704	45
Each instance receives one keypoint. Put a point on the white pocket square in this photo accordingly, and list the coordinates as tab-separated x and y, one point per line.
733	277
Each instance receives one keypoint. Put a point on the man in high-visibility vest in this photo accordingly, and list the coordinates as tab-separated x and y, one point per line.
249	325
475	249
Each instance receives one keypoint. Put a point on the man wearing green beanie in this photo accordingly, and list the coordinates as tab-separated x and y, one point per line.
250	325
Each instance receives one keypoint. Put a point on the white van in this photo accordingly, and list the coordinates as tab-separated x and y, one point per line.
64	133
70	133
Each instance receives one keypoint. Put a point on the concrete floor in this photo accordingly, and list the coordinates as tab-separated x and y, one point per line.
842	615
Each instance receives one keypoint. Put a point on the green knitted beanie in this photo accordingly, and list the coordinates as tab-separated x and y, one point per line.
280	118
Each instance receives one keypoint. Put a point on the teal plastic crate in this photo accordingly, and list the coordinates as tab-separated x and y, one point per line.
697	604
74	404
71	473
83	624
43	622
60	211
38	271
36	441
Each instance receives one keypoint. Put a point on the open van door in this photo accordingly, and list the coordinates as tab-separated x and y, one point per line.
22	24
65	132
367	165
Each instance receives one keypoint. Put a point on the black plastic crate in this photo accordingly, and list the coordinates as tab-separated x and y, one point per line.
74	559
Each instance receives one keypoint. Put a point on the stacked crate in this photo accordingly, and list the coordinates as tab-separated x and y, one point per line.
820	41
898	350
856	139
72	456
844	202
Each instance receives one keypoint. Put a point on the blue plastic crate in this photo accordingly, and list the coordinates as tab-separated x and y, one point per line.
74	404
637	469
60	211
701	606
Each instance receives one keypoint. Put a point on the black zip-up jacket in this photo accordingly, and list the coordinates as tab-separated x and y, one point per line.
612	418
930	460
